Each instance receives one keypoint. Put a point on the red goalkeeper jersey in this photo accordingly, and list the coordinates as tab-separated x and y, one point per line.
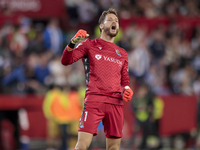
106	69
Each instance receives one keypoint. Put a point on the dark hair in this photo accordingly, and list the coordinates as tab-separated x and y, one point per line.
104	13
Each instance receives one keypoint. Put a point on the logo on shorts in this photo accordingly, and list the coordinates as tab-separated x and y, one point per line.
81	125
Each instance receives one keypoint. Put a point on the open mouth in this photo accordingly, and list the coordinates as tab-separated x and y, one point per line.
113	27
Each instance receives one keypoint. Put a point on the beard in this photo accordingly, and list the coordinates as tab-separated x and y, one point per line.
107	31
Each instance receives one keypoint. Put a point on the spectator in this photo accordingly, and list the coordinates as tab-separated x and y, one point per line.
42	71
6	34
53	38
156	79
35	45
58	72
157	44
139	63
87	11
33	86
72	10
139	59
14	81
182	79
196	62
146	120
196	87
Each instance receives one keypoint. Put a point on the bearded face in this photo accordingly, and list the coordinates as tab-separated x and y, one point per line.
111	25
111	31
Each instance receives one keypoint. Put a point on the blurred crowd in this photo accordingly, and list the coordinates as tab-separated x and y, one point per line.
30	58
86	10
163	58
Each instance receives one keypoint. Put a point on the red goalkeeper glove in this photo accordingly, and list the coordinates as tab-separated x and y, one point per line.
79	36
128	93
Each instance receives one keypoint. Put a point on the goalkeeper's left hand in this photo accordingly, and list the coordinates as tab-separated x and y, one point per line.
127	94
79	36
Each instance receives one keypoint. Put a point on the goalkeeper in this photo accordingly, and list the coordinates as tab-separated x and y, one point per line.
107	80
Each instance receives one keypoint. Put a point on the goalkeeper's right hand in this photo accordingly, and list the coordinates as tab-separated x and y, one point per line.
79	36
127	94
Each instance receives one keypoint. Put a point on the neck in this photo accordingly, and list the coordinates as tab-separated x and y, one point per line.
107	38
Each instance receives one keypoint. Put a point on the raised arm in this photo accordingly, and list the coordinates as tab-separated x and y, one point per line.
72	54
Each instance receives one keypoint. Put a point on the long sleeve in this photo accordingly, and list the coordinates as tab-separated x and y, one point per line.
69	57
125	74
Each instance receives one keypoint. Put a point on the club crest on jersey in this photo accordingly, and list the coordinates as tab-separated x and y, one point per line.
81	125
118	53
97	56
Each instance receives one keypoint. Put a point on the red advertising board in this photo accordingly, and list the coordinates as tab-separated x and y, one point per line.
179	115
34	8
